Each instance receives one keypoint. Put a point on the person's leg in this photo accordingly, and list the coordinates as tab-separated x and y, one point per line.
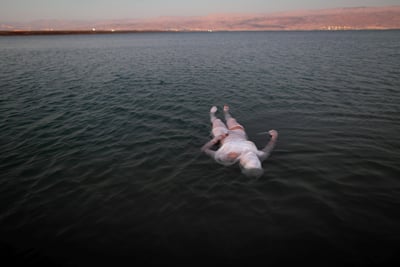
212	114
231	122
218	127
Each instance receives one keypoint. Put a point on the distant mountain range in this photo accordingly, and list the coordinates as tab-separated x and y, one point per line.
357	18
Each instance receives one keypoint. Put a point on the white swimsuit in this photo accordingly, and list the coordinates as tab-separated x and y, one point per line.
235	142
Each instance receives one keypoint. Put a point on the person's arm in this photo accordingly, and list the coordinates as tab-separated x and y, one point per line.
266	151
206	148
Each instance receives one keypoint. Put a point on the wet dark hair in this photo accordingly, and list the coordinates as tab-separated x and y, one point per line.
253	172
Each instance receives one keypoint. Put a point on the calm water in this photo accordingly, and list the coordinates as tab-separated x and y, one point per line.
100	140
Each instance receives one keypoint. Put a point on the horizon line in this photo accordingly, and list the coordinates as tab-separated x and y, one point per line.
91	32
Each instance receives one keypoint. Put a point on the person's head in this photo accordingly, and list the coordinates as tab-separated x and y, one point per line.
251	165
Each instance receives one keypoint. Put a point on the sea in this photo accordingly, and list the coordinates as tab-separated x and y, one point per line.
100	138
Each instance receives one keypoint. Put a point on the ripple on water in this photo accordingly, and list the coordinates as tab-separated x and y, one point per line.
101	144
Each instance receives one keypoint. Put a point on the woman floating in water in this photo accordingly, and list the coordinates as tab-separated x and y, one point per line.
234	146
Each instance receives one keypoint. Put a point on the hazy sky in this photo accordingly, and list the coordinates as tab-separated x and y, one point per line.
25	10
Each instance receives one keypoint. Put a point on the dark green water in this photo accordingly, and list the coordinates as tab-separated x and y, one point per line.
100	140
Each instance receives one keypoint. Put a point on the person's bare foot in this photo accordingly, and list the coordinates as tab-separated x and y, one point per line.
226	108
213	109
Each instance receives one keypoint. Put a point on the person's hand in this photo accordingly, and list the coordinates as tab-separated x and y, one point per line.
220	137
212	142
217	139
273	133
207	146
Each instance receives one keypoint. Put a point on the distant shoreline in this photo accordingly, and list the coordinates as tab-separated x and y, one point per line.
336	19
71	32
89	32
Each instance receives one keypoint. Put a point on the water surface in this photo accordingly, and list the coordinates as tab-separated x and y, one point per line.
100	140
